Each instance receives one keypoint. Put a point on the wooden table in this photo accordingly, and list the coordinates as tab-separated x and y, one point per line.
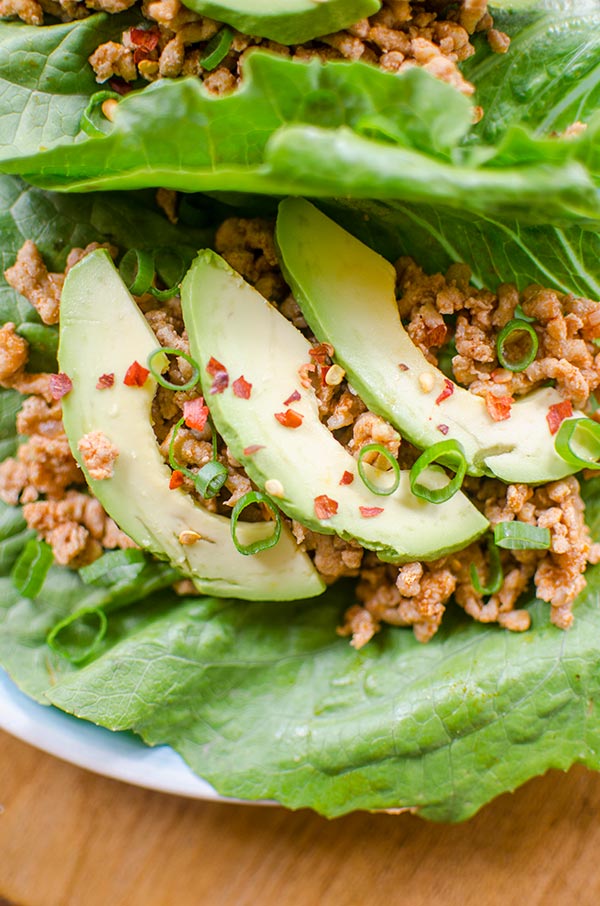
69	838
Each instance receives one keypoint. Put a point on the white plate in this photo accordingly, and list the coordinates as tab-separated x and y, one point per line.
118	755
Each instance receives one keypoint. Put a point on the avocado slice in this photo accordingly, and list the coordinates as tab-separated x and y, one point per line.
229	321
347	294
102	331
287	21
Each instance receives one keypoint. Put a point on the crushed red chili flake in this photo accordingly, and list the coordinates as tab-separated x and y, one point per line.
304	372
105	381
368	512
195	413
347	478
557	413
289	418
446	392
499	406
220	375
443	429
325	507
136	375
292	398
402	366
144	37
176	480
60	385
120	85
242	388
252	449
321	351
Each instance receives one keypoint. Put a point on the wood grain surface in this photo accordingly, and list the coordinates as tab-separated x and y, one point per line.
70	838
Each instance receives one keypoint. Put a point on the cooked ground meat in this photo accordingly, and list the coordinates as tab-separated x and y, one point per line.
29	276
99	454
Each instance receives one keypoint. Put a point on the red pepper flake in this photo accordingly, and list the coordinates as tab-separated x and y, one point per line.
304	372
321	352
195	413
242	388
220	375
402	366
136	375
499	406
292	398
324	369
557	413
120	86
105	381
144	37
60	385
289	418
347	478
325	507
446	392
367	512
252	449
443	429
176	480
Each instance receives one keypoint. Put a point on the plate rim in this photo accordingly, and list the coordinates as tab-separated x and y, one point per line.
118	756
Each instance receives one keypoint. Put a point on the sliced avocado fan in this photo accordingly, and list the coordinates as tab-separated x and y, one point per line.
286	21
347	294
103	332
296	459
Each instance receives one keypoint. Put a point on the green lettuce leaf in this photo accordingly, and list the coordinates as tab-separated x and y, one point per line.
549	79
292	127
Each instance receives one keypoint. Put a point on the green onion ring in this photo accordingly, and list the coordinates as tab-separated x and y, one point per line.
217	49
30	571
108	566
520	536
211	478
381	450
172	461
565	435
163	294
513	327
57	645
496	574
137	271
453	453
264	543
170	350
86	123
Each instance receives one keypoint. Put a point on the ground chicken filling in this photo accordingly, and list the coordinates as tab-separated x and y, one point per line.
433	34
448	319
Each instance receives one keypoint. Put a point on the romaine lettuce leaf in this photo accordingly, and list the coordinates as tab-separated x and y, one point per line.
292	127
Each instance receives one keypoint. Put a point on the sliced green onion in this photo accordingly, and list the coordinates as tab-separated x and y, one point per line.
496	574
30	571
137	270
382	490
520	536
211	478
79	635
521	316
217	49
449	453
90	118
170	350
509	331
114	567
264	543
170	266
586	434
